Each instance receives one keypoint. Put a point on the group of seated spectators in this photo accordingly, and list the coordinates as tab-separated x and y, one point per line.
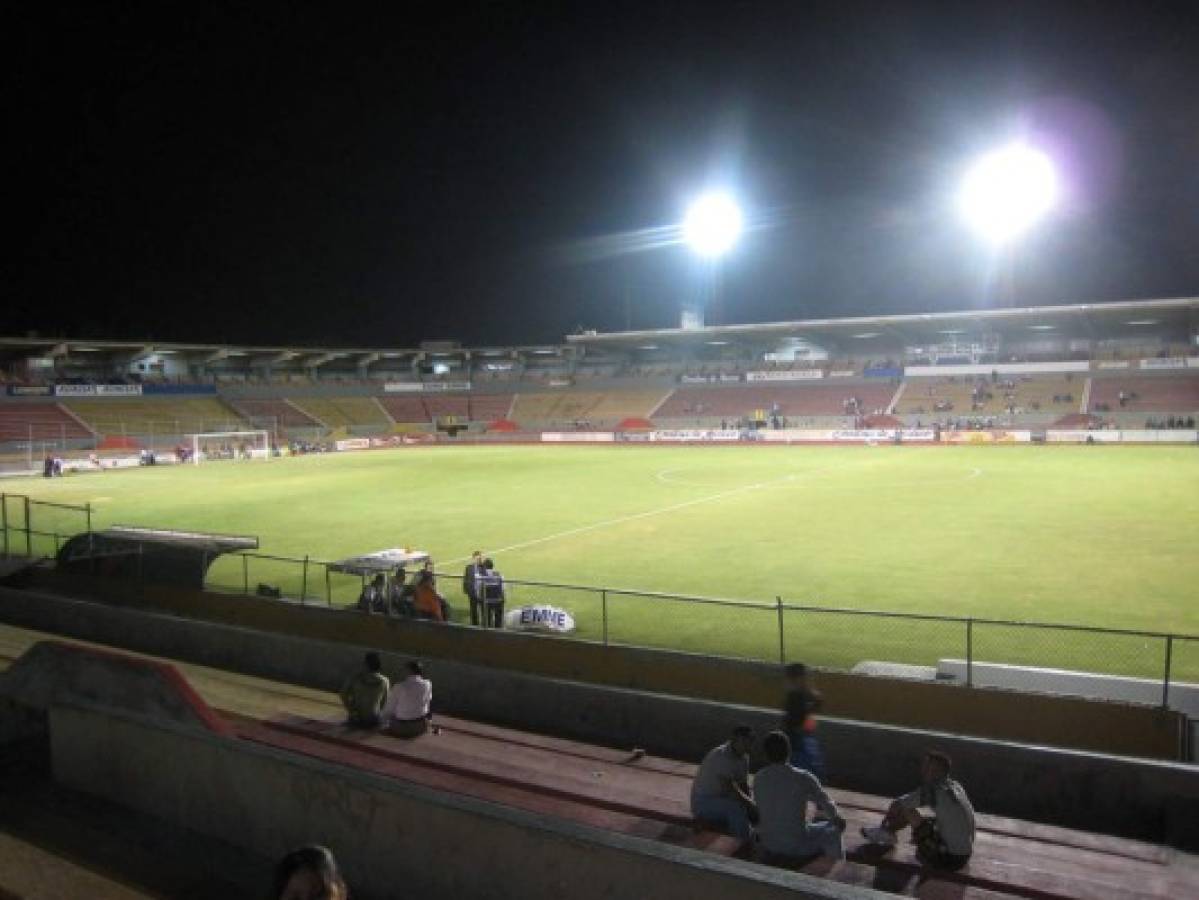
396	594
1170	422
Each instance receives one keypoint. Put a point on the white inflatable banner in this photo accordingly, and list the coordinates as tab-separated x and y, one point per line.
540	618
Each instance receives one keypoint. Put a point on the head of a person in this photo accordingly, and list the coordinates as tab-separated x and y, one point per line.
797	674
428	567
742	740
488	564
426	578
477	557
401	573
935	766
776	747
373	663
379	579
309	873
415	667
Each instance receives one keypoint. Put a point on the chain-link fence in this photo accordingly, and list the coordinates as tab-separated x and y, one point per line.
965	650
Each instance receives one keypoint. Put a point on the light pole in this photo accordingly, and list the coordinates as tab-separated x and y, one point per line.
1002	196
711	227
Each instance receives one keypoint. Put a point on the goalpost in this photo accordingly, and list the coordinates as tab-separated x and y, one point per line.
214	445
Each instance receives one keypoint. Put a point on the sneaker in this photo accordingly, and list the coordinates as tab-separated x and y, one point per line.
879	835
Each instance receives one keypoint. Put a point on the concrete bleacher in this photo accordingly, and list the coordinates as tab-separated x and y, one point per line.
1154	393
490	407
1027	393
280	412
39	421
167	415
568	405
793	399
344	412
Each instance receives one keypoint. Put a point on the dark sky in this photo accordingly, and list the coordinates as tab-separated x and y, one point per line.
321	174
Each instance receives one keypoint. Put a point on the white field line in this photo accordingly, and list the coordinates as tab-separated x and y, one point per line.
633	517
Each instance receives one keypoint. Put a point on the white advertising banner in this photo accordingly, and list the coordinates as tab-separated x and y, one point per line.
842	373
723	378
540	618
354	444
1193	362
403	387
1112	364
420	387
848	435
697	434
797	375
98	390
1000	368
1172	362
578	437
1082	437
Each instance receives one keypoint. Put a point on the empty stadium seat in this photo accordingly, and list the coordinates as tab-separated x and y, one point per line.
1147	393
39	422
154	415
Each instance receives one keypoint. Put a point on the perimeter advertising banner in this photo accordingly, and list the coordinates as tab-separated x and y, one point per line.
29	390
1174	362
797	375
695	434
98	390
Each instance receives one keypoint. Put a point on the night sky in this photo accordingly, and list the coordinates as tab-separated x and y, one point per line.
319	174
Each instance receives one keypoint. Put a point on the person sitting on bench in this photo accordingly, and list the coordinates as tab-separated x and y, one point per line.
720	792
947	839
782	793
408	709
364	693
427	603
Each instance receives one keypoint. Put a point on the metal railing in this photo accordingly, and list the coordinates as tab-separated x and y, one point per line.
844	639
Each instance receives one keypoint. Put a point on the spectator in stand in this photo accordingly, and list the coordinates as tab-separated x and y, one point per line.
471	576
782	794
408	709
309	873
945	840
364	692
493	595
720	792
800	706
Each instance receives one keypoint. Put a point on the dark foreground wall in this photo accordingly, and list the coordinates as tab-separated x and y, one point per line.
392	838
1144	799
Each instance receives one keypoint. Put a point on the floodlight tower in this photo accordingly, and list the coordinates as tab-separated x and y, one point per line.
1003	195
711	227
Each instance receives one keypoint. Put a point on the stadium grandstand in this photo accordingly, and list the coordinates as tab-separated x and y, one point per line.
1131	365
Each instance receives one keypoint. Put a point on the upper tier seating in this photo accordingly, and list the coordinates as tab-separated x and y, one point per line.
343	412
1027	393
280	411
792	400
166	415
42	421
568	405
1147	393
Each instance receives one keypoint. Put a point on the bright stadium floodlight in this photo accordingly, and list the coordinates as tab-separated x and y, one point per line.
1007	191
712	225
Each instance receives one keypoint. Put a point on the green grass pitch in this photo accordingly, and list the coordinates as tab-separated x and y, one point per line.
1082	535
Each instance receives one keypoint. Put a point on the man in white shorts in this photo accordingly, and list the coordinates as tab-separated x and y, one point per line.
947	839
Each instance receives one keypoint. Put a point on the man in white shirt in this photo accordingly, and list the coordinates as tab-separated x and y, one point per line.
720	791
782	793
947	839
408	711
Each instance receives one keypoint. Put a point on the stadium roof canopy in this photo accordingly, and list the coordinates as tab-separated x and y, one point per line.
1082	320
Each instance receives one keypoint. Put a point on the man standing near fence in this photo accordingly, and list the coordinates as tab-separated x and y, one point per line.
470	586
491	587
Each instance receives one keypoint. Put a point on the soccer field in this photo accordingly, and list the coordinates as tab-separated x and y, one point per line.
1080	535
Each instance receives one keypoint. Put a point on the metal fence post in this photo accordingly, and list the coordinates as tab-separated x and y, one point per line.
28	530
604	609
88	510
245	574
4	520
304	581
328	587
778	604
969	653
1166	677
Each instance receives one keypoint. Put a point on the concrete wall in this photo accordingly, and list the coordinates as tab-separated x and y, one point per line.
1069	722
1137	798
390	837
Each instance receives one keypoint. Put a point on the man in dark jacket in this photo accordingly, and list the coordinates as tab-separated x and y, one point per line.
471	586
364	693
491	590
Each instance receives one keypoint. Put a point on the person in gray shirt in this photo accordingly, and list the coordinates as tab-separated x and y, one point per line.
720	791
783	793
945	840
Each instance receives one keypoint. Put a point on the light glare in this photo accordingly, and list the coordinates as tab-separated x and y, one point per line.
1007	191
712	225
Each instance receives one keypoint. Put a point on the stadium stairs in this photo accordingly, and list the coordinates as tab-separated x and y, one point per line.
267	412
344	412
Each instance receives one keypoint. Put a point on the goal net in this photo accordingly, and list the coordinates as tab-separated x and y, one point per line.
209	446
